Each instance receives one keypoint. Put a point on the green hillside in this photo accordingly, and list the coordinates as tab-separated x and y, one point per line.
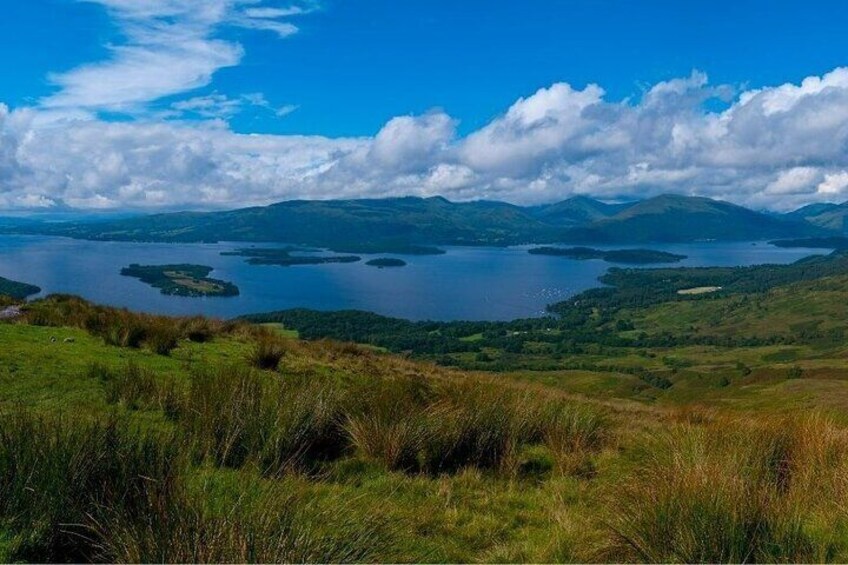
831	218
576	211
382	224
672	218
414	225
700	429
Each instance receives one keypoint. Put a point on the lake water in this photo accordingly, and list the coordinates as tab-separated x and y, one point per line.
478	283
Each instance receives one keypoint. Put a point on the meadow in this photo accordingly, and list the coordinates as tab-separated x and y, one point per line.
129	437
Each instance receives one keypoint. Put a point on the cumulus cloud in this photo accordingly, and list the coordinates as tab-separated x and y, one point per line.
773	147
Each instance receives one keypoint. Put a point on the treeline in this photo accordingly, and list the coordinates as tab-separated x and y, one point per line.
16	289
590	322
635	288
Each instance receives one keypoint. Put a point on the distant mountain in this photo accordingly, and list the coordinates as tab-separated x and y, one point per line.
812	210
334	223
673	218
576	211
829	217
395	224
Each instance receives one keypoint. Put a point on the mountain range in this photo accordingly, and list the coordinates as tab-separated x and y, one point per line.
398	223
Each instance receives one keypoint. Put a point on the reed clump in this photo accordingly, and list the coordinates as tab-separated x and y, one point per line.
122	328
103	491
731	491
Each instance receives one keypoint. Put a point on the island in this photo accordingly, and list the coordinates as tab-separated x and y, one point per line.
17	290
386	262
181	280
283	257
625	256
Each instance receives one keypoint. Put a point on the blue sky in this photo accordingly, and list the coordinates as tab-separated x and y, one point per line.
357	63
329	98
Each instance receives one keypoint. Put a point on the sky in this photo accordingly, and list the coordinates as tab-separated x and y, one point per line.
211	104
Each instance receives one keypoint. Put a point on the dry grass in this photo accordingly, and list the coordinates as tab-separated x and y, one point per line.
736	491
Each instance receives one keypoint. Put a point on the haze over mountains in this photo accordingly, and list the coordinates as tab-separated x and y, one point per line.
397	222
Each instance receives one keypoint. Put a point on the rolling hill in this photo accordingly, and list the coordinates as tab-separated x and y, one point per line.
390	221
402	223
829	217
576	211
673	218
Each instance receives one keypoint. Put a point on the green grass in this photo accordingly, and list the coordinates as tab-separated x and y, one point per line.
282	330
335	452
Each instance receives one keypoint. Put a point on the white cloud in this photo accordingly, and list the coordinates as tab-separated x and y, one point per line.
169	47
222	107
834	184
776	147
797	180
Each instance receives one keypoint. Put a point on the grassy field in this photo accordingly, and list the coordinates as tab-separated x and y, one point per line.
126	437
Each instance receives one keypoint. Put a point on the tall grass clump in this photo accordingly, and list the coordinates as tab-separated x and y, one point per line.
572	433
57	477
162	337
268	350
236	415
199	329
137	388
131	386
225	416
267	523
415	425
101	491
467	432
386	421
736	492
122	328
305	426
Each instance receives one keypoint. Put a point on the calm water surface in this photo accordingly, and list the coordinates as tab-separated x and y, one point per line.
478	283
